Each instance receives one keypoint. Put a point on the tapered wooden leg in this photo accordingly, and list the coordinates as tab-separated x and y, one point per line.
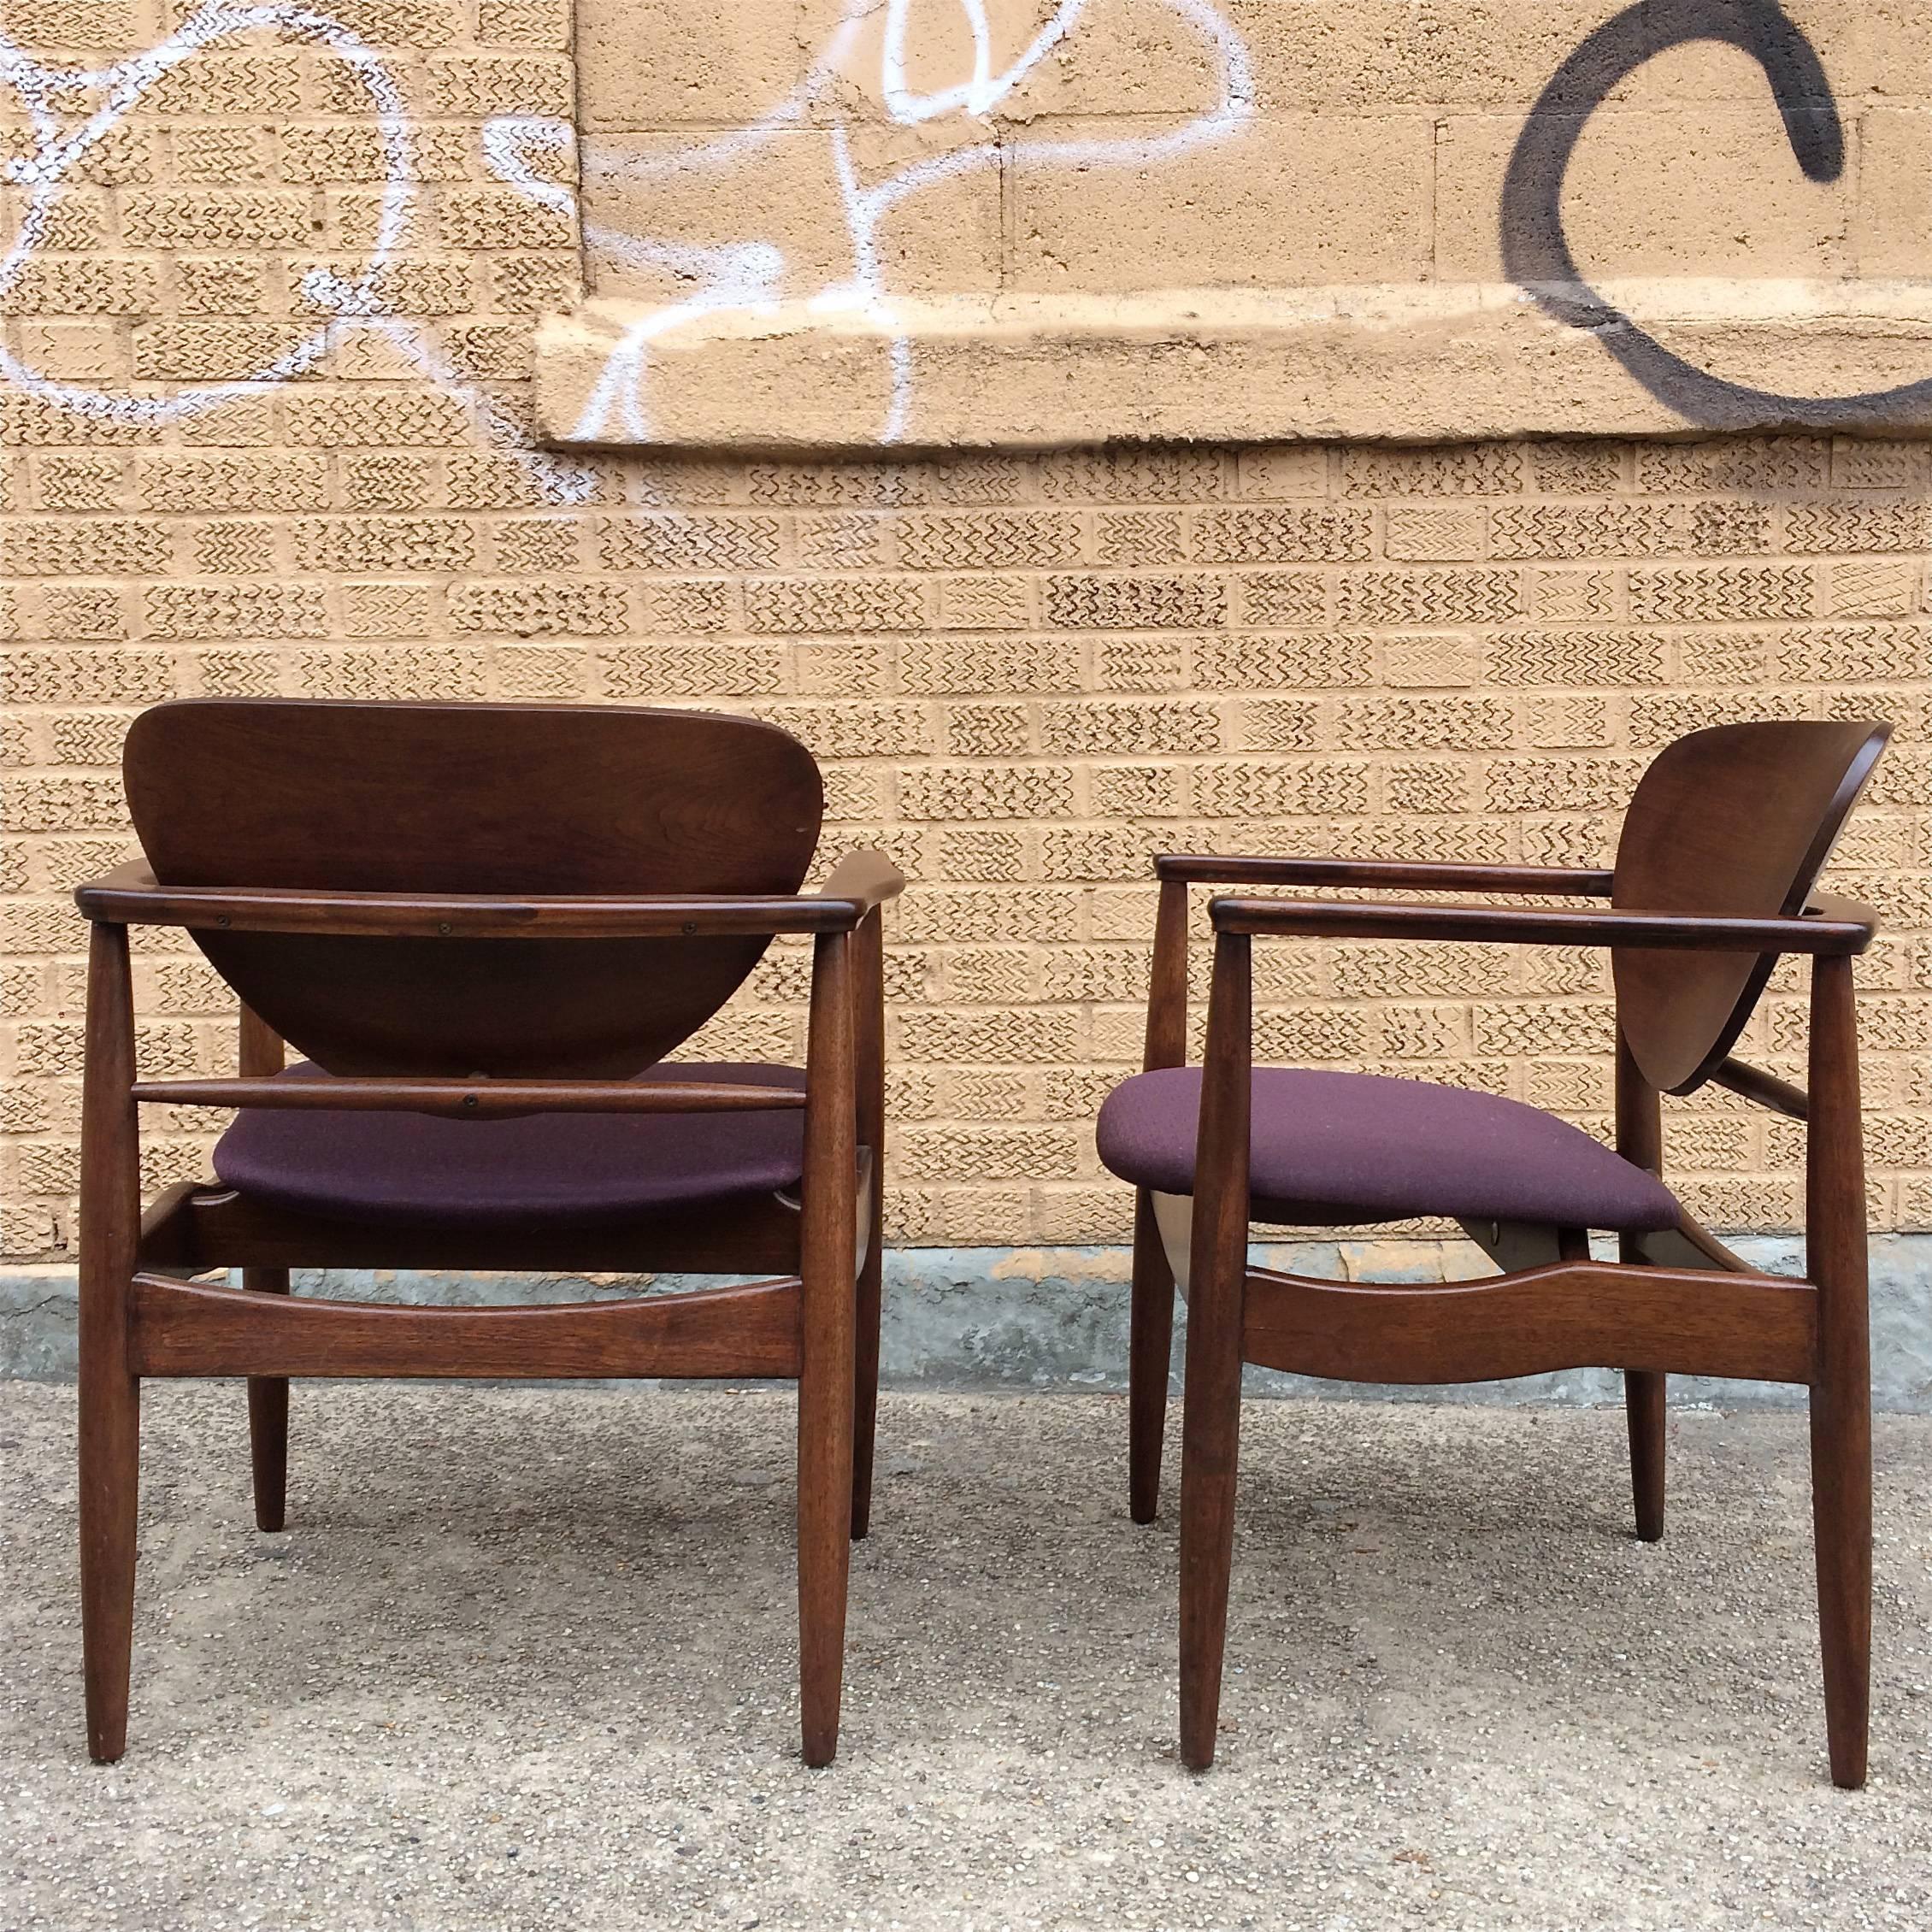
110	1448
869	1061
1211	1422
1150	1350
1151	1319
1210	1437
1644	1404
110	1394
826	1393
1639	1139
825	1524
865	1386
1836	1262
267	1419
1842	1521
258	1055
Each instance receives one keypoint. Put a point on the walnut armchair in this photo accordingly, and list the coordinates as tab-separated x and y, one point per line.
484	927
1721	846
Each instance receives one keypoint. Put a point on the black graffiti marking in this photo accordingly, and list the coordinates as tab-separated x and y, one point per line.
1536	253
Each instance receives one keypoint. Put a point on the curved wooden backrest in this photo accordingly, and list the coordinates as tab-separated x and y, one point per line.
513	798
1739	819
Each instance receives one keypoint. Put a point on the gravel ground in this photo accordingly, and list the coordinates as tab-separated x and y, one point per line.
525	1660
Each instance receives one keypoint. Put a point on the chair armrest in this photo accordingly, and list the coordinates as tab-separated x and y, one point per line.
864	879
1416	875
128	895
1507	925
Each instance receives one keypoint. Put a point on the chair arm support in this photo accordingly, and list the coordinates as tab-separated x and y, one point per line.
129	896
1502	925
1829	905
1409	876
864	879
133	875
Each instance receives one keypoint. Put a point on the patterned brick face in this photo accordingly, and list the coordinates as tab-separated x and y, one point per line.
1023	676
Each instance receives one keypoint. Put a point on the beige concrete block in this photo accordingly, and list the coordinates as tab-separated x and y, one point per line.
70	219
224	351
408	285
83	480
778	205
527	284
366	351
243	86
387	611
1141	664
213	218
1867	47
480	351
524	23
73	351
1283	471
1119	57
83	285
1877	47
500	218
1434	532
76	23
1552	719
486	84
1368	53
399	23
1443	660
220	284
1875	587
1280	203
1891	230
661	64
356	151
330	418
236	547
1736	206
360	218
224	156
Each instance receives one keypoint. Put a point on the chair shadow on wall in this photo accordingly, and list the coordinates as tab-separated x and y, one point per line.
485	926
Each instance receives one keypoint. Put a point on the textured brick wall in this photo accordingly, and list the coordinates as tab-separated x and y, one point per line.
1023	676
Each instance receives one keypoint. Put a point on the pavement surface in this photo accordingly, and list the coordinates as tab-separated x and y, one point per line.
525	1659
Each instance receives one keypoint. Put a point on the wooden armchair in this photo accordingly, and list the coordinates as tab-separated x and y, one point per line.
484	925
1723	841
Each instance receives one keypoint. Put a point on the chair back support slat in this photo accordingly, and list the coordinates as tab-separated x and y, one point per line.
1737	820
504	798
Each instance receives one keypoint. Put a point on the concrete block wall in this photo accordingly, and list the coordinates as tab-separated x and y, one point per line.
264	428
1028	223
1364	142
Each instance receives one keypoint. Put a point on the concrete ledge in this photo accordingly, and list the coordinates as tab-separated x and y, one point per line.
1056	1318
1369	361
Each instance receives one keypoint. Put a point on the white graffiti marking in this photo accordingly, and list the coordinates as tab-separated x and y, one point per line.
121	87
745	276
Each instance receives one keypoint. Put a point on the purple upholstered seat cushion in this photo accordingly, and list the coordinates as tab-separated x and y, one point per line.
1337	1147
392	1167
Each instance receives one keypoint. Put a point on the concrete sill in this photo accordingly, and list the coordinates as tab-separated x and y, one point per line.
1388	362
